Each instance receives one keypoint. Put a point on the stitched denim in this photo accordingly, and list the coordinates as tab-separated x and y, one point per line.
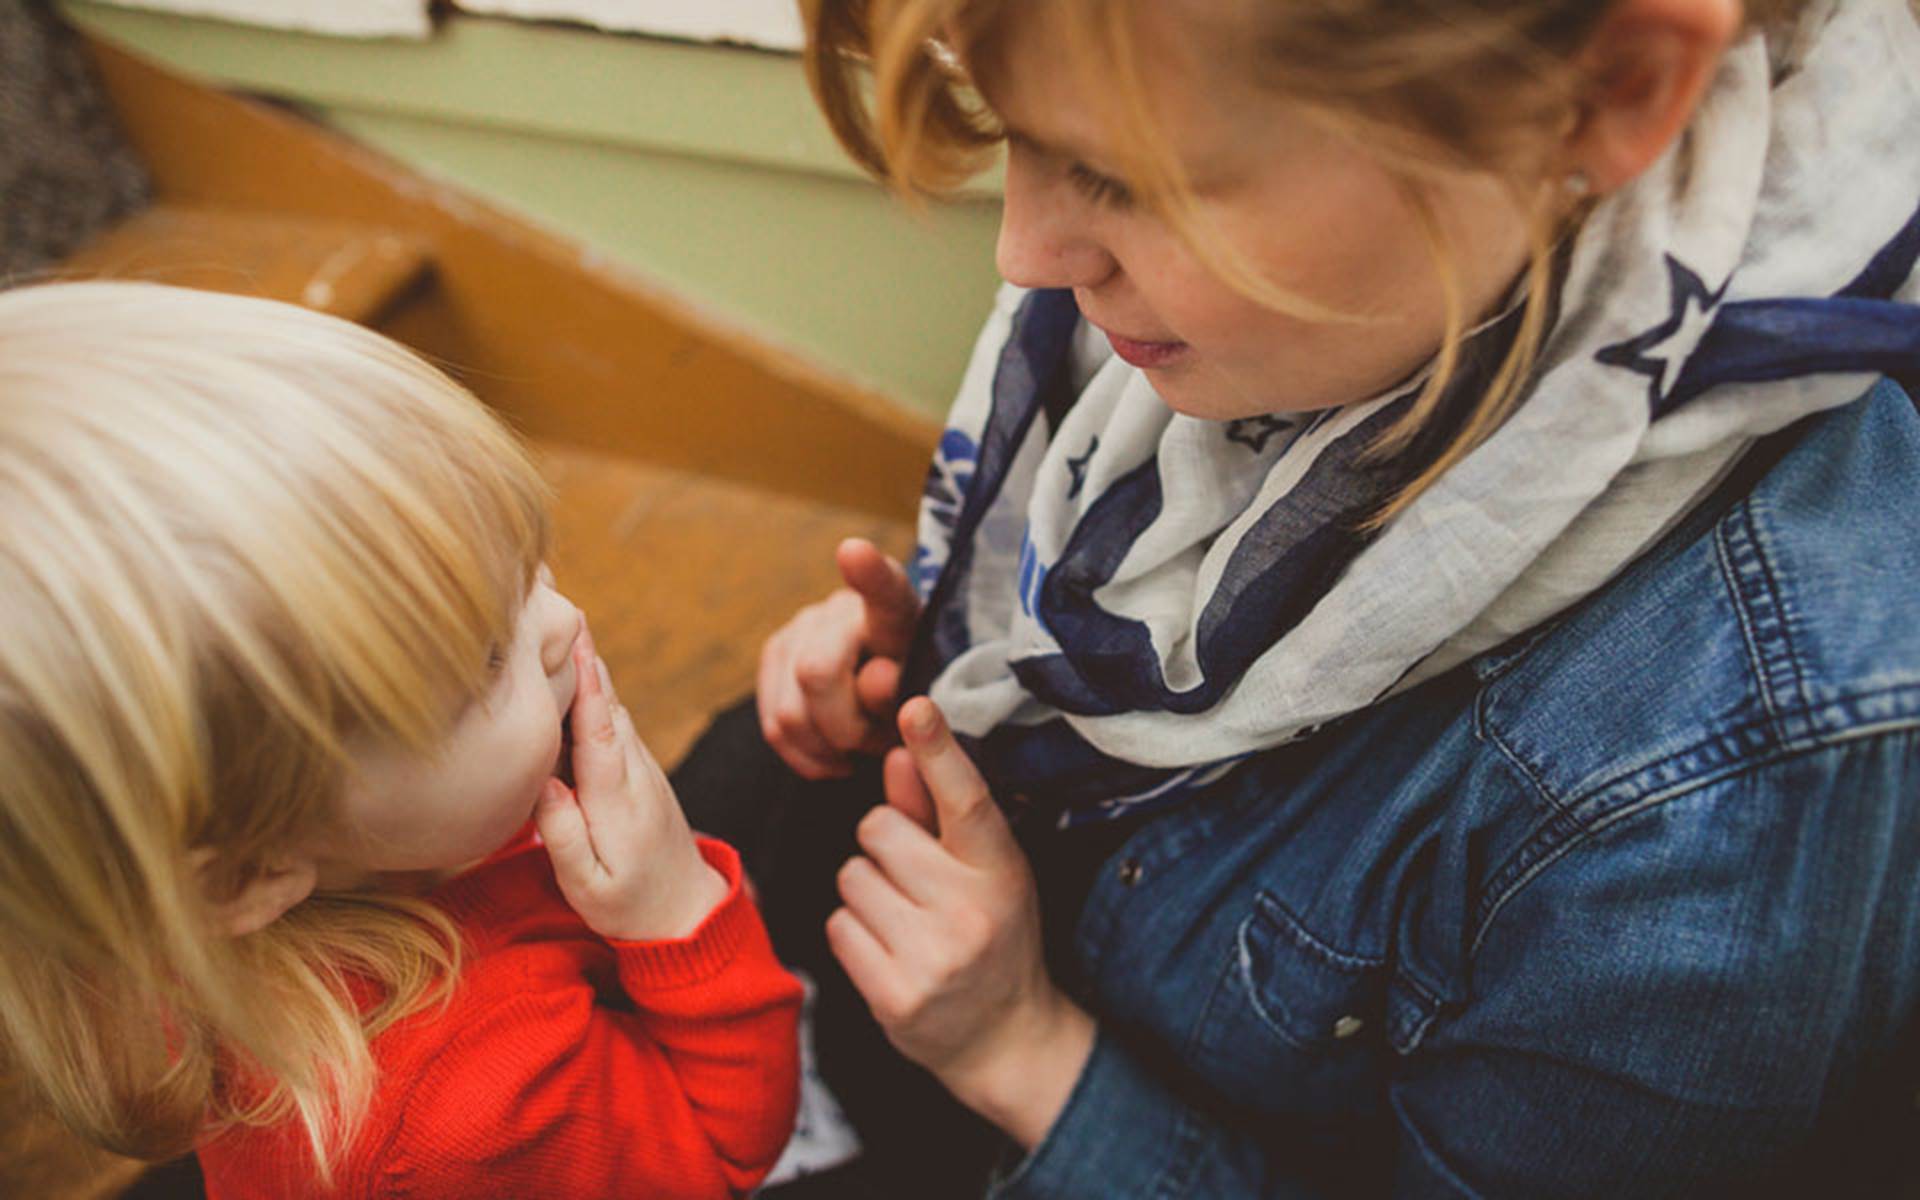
1628	908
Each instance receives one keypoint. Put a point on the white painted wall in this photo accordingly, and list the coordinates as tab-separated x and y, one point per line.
347	18
774	24
770	23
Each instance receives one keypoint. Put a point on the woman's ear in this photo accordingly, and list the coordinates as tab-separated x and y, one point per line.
265	894
1644	71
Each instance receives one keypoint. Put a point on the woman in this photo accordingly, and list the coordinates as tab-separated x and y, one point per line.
1417	561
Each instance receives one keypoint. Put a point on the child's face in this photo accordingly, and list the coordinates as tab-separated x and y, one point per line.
432	812
1300	205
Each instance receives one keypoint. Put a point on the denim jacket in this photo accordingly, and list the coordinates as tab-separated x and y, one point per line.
1631	907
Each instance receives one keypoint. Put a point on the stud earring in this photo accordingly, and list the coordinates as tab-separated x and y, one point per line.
1576	185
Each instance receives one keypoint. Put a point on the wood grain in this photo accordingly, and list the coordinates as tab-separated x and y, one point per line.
349	270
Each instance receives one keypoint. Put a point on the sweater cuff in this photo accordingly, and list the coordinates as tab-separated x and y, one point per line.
732	929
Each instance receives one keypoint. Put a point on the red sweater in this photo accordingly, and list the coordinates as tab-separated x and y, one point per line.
566	1065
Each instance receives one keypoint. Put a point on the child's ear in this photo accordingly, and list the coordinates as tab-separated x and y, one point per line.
1645	70
267	892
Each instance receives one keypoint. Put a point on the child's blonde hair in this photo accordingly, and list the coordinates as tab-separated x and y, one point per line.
235	538
1438	86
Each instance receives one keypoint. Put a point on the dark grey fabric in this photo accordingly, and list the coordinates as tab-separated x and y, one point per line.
65	170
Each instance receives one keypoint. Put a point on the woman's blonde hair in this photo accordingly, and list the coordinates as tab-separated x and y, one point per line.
1428	87
235	537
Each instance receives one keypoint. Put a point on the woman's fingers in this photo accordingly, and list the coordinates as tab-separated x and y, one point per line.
864	959
876	685
784	721
889	605
907	854
970	824
878	903
906	791
826	679
826	650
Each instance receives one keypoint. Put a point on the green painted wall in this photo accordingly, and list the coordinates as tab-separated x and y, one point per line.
705	167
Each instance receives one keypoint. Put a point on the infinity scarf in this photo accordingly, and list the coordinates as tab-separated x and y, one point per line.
1120	609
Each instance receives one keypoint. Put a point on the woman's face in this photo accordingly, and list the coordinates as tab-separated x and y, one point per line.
1305	208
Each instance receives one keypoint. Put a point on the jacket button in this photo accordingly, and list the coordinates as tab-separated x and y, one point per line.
1130	872
1346	1027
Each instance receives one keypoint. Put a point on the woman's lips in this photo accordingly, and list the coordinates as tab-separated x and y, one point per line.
1145	354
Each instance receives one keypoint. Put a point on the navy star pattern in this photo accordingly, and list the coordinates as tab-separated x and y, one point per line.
1078	468
1692	311
1255	432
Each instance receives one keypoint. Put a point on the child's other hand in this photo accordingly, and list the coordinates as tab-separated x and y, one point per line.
827	677
621	849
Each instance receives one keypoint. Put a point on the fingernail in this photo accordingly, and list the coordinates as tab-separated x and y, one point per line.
600	669
924	720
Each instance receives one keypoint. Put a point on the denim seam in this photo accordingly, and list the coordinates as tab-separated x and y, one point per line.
1561	837
1754	586
1429	1002
1791	661
1175	1178
1484	730
1751	744
1304	938
1729	575
1824	724
1269	908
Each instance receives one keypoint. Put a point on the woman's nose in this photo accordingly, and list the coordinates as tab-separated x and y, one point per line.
1044	242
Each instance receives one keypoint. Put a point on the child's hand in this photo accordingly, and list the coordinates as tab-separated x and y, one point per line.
621	849
827	677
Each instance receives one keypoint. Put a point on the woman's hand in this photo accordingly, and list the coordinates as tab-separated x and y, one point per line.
621	849
828	676
941	934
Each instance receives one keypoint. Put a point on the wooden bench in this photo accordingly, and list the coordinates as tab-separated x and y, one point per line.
354	271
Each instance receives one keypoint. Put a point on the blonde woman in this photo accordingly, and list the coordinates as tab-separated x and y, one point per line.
282	689
1412	683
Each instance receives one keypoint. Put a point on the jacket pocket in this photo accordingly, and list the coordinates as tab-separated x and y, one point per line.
1293	1024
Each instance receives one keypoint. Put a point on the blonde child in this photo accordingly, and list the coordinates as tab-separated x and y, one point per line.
1409	677
283	687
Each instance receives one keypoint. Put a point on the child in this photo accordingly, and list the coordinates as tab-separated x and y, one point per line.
283	686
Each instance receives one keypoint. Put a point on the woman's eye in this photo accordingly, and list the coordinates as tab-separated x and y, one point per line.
1098	188
496	660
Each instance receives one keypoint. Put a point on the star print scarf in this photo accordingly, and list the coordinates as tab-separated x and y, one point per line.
1122	602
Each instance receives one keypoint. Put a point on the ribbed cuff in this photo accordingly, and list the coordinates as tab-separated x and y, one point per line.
733	924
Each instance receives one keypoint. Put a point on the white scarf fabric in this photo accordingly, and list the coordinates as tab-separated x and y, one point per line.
1124	607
